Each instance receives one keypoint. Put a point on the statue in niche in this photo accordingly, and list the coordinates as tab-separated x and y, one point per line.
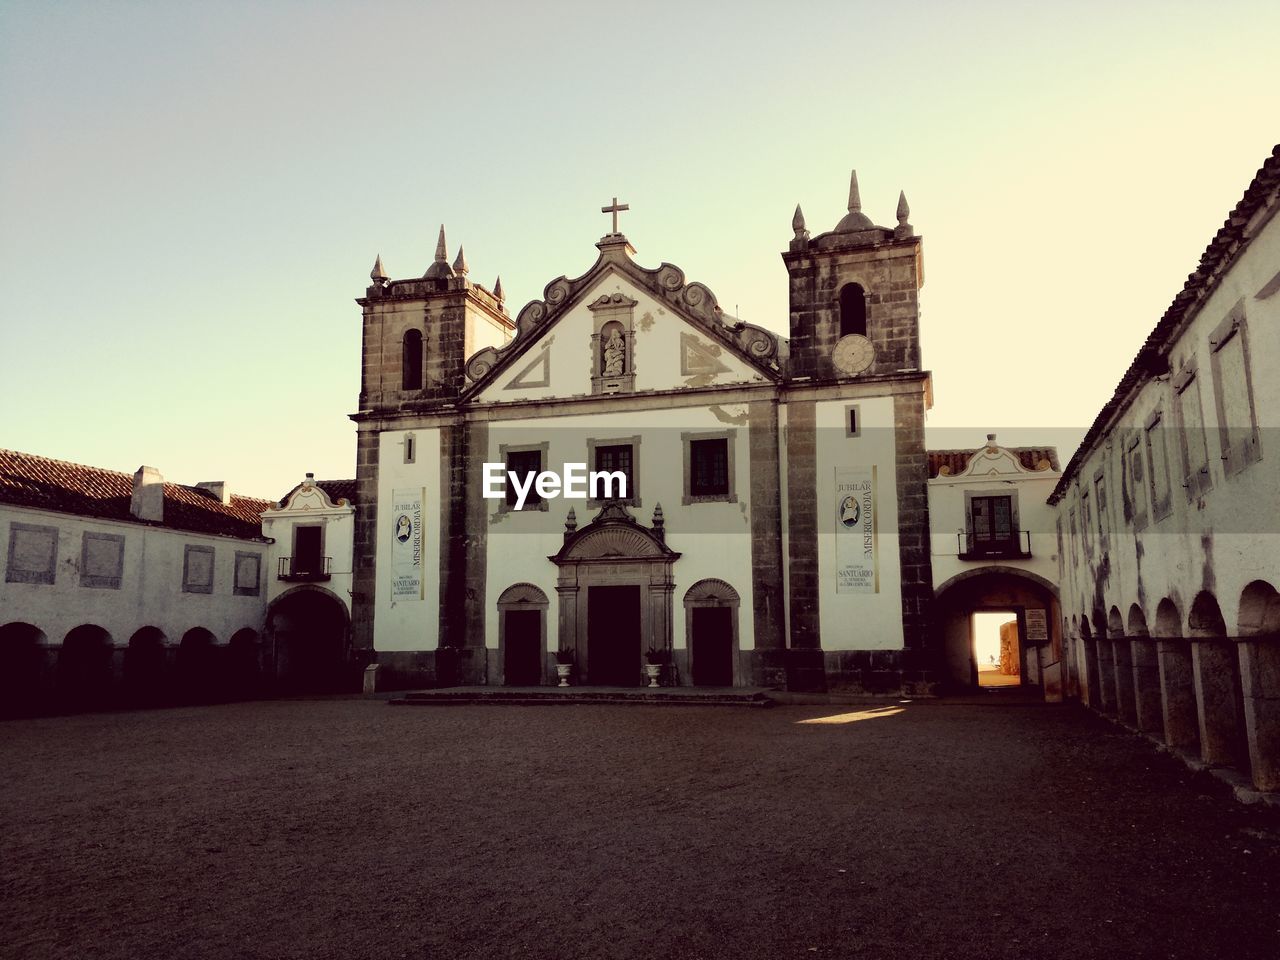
615	354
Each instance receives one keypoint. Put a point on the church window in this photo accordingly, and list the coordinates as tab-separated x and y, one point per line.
852	421
1233	392
709	466
410	448
620	456
411	355
853	310
524	463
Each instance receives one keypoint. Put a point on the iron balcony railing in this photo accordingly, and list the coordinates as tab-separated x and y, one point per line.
1016	546
304	569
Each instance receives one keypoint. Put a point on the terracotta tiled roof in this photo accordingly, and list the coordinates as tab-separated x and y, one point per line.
1152	359
30	481
335	490
958	460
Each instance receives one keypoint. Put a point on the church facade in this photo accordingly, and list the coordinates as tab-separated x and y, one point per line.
773	529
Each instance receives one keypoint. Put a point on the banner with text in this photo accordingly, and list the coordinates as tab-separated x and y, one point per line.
857	547
406	543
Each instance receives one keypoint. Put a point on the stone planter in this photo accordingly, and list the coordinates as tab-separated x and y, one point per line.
653	671
562	671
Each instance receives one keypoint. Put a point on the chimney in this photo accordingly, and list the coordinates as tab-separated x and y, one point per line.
216	487
147	502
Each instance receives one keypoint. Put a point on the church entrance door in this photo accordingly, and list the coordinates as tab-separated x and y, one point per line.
522	660
712	653
613	636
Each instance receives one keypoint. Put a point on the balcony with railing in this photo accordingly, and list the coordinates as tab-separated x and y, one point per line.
1015	545
303	569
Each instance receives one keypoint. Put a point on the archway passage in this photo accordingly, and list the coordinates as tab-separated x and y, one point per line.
309	632
997	648
145	668
22	669
199	667
244	664
1006	590
84	668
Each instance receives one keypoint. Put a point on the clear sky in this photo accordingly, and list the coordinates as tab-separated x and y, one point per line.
192	195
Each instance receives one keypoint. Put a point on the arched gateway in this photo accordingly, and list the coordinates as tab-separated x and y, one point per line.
615	589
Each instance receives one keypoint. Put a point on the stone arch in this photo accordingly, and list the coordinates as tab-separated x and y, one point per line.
522	635
853	310
997	587
1205	618
1137	623
23	674
1100	624
145	666
85	670
1086	632
1259	610
244	663
1115	623
1218	684
711	614
1168	619
308	631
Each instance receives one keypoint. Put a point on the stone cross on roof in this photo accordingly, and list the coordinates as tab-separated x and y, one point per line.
615	210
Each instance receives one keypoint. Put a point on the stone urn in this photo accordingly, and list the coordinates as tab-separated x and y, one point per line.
653	671
562	671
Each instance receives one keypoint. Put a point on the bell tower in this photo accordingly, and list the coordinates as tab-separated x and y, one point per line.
857	281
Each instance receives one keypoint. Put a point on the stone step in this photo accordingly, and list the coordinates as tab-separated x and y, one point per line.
538	696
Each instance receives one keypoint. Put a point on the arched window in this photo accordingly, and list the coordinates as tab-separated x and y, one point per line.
853	310
411	376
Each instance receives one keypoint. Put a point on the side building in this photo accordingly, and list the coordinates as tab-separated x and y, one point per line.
125	589
1168	516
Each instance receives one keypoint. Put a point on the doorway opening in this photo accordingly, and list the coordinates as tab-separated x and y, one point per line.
613	636
996	648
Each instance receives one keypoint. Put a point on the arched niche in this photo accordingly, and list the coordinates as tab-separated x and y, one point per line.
522	635
711	611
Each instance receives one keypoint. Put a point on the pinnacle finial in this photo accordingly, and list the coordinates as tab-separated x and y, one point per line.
855	200
797	221
497	292
855	221
903	229
460	263
440	270
378	274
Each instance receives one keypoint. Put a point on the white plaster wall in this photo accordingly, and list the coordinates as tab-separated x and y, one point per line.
1226	538
339	543
150	592
657	350
408	624
947	519
854	621
714	539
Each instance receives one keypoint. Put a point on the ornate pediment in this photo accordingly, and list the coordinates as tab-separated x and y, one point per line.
614	535
690	299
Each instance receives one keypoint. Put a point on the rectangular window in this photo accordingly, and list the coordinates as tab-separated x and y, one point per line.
1233	393
852	421
410	448
1137	482
1062	559
101	560
1071	526
1100	506
524	464
991	527
308	550
618	458
33	554
1158	467
1086	529
1191	432
248	579
709	468
197	569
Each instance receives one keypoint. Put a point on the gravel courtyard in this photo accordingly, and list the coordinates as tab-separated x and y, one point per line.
346	828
